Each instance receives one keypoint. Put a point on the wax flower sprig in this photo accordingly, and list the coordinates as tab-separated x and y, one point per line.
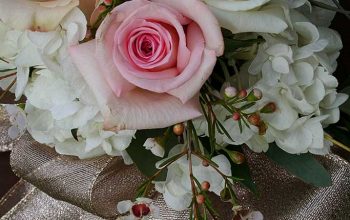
193	148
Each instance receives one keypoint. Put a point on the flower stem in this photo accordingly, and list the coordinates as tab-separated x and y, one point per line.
338	9
7	76
337	143
8	89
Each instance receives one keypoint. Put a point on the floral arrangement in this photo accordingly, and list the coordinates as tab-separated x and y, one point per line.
179	88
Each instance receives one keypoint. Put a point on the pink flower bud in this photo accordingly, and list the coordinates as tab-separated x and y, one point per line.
269	108
200	199
108	2
255	95
254	119
230	92
236	116
242	94
205	185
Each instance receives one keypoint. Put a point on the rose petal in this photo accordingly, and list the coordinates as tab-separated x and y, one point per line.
195	9
116	82
195	44
137	109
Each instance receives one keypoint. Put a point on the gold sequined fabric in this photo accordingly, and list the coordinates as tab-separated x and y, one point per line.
64	187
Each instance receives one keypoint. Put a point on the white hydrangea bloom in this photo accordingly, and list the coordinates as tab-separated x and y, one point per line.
309	91
294	70
26	49
61	110
18	120
176	189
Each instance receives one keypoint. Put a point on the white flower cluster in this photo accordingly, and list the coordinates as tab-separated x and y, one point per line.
61	110
293	69
177	190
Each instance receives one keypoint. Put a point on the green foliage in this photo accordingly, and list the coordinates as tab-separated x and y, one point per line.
242	172
346	106
303	166
144	159
232	45
74	133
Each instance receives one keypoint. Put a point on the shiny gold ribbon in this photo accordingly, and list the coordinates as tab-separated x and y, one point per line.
97	185
6	143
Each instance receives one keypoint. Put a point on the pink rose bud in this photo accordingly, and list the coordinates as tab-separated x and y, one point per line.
236	116
108	2
242	94
269	108
230	92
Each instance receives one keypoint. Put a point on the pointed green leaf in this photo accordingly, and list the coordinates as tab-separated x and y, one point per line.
144	159
303	166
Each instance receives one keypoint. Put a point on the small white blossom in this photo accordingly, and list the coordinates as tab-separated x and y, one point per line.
152	145
142	208
176	188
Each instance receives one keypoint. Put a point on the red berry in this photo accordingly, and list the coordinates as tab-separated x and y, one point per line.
205	163
236	116
200	199
242	94
269	108
205	185
140	210
254	119
179	129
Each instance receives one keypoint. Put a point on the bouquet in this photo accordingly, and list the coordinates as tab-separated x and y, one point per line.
179	88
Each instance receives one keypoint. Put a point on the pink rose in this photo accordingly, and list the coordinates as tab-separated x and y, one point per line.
149	61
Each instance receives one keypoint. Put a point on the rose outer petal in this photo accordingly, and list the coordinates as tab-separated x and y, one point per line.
137	109
208	59
200	14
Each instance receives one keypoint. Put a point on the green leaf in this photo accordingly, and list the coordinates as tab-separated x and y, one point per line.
75	134
6	70
242	171
303	166
234	44
346	106
144	159
246	106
